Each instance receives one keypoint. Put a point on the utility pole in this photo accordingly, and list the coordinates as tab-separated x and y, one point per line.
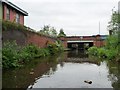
99	27
99	36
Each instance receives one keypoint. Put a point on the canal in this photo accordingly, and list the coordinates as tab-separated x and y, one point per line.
67	70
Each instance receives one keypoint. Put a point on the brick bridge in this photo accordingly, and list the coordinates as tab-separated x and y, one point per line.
81	42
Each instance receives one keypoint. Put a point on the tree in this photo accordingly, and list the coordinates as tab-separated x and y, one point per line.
48	30
114	30
61	33
53	32
113	24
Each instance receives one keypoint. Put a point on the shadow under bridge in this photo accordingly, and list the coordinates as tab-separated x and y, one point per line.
80	45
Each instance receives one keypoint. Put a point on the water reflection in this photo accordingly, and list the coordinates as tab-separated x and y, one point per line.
21	78
66	70
77	54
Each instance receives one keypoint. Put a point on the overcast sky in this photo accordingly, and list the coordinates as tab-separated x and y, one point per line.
76	17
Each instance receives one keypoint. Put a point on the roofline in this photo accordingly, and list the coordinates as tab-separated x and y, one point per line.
15	7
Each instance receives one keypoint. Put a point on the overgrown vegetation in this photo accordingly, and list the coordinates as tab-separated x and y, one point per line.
47	30
111	49
7	25
15	56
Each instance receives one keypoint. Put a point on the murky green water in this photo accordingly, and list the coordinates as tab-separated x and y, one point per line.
67	70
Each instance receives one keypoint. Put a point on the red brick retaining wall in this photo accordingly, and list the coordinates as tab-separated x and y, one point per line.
27	37
40	40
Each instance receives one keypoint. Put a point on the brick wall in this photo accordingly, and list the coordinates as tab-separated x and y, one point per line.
39	40
26	37
99	43
14	35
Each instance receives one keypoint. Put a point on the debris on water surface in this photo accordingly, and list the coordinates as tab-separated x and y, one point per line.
88	81
31	73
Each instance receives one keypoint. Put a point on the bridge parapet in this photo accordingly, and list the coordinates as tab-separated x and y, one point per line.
76	38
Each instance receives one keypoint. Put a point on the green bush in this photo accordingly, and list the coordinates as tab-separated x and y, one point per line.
110	51
111	54
93	51
112	47
10	55
112	42
13	55
102	53
28	52
43	52
53	48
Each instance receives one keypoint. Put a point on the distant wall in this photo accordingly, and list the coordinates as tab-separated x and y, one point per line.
27	37
99	43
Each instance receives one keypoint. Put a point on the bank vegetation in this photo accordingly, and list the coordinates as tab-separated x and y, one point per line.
111	51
